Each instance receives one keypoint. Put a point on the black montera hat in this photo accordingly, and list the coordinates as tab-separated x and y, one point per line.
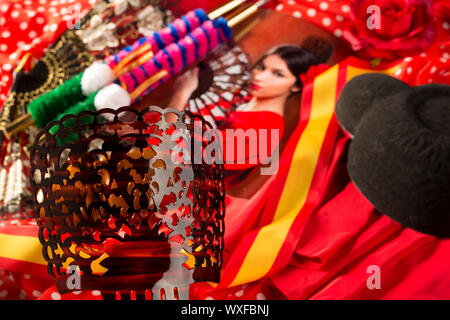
360	93
399	158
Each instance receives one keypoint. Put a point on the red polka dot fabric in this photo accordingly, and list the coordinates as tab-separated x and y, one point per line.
330	15
31	26
337	17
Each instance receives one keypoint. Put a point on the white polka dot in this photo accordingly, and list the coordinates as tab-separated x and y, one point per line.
23	25
41	9
240	293
76	292
338	33
53	27
443	60
7	67
6	34
311	12
42	1
423	54
260	296
40	20
27	276
433	70
297	14
398	72
55	296
2	21
291	2
339	18
326	22
407	59
3	293
36	293
96	293
4	7
446	25
15	14
209	298
37	40
26	47
345	8
323	6
31	14
279	7
22	295
446	55
32	34
430	80
408	70
3	47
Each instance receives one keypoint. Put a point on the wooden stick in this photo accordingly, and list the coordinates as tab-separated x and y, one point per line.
225	9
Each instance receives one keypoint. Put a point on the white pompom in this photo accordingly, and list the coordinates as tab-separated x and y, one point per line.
112	97
97	76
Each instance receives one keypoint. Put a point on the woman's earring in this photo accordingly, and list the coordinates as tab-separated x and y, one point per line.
296	90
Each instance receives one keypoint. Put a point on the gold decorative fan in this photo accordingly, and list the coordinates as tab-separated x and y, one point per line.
223	80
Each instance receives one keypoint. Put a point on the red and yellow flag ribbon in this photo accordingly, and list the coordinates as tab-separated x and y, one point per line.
300	182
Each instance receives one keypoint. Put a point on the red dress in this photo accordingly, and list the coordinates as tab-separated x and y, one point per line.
262	130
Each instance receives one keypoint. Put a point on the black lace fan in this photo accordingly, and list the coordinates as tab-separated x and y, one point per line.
223	81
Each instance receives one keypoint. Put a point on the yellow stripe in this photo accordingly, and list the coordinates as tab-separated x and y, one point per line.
353	71
263	252
22	248
147	83
123	63
135	64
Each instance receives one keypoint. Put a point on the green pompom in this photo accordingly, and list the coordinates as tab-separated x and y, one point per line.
86	105
46	107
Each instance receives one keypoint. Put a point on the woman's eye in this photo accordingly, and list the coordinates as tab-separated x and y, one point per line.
259	67
278	74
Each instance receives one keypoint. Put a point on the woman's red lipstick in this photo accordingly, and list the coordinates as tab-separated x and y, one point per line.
255	86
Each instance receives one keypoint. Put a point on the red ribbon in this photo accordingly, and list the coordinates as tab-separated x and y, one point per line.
313	72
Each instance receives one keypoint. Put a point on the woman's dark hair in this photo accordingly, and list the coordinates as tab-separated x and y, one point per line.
297	59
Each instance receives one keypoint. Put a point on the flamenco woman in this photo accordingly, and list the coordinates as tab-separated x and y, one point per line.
275	78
